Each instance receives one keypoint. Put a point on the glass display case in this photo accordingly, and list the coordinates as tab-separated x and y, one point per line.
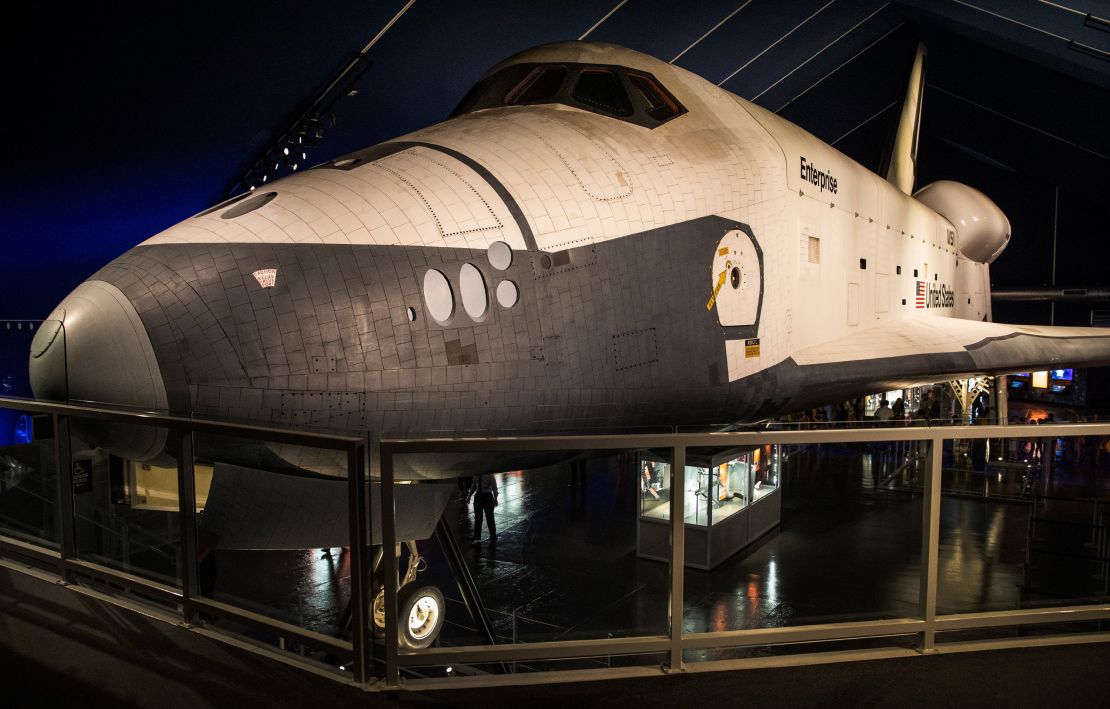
723	500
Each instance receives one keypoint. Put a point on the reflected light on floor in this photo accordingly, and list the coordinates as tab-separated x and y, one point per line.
994	531
772	585
720	616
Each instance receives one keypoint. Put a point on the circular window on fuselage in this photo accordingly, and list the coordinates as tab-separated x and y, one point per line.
473	286
438	296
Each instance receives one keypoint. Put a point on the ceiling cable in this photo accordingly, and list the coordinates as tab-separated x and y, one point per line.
603	19
1062	7
711	31
880	112
818	52
773	44
1014	120
843	64
1010	19
290	150
1089	20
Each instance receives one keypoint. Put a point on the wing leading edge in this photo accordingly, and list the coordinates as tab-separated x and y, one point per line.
934	349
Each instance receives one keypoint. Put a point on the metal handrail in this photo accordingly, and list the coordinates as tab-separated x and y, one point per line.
401	446
127	524
187	598
330	441
287	630
926	624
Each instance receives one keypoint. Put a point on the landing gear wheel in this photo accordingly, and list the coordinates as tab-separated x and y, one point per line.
419	615
377	610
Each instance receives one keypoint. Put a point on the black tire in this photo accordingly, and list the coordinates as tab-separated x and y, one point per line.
377	605
419	615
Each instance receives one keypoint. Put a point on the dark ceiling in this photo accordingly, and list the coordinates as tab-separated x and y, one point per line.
128	118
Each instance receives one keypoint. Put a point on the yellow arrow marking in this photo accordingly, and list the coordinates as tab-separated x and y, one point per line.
713	298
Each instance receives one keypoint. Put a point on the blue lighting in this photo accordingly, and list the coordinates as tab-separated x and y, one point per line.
24	430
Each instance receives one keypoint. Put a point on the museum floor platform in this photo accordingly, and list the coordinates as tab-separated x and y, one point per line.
564	565
87	675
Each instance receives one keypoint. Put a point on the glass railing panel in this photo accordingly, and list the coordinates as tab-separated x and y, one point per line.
555	546
124	483
763	651
28	477
273	532
490	670
1022	632
1030	531
832	534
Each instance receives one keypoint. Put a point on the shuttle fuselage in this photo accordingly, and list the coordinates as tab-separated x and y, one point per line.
571	263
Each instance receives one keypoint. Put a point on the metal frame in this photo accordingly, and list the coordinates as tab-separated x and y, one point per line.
73	570
924	626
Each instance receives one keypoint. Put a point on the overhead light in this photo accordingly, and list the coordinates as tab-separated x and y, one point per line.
265	177
304	155
294	167
253	187
285	150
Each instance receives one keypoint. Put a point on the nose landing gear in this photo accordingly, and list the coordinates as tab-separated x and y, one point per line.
420	609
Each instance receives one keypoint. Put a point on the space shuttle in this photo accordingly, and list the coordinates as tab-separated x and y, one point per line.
595	241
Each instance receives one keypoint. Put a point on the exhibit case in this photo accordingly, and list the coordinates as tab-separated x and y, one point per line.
730	499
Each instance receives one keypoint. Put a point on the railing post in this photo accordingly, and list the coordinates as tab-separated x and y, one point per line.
389	568
1094	524
930	544
360	602
678	554
187	527
63	460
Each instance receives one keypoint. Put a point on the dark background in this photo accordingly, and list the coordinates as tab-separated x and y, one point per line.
122	119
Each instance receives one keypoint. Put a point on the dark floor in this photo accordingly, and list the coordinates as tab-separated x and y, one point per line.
849	546
1073	677
564	565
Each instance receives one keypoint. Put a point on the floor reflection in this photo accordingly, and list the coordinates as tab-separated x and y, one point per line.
849	548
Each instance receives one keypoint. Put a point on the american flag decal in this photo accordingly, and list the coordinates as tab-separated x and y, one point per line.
921	294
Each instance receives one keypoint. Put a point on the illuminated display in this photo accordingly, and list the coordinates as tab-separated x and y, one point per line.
1040	380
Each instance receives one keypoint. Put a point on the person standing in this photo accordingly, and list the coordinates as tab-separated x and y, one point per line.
899	410
884	412
484	491
647	482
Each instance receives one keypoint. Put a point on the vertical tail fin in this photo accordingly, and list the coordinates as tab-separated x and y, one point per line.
903	160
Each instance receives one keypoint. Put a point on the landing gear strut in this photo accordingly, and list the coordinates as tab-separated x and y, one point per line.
420	608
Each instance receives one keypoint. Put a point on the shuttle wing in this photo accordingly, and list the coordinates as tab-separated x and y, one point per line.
934	348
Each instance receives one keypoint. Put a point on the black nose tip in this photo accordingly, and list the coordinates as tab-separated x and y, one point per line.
94	348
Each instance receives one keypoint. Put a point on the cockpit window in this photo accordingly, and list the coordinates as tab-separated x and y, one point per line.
633	96
601	89
660	104
542	83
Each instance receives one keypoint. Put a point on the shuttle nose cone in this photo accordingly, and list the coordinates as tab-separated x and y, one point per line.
94	348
